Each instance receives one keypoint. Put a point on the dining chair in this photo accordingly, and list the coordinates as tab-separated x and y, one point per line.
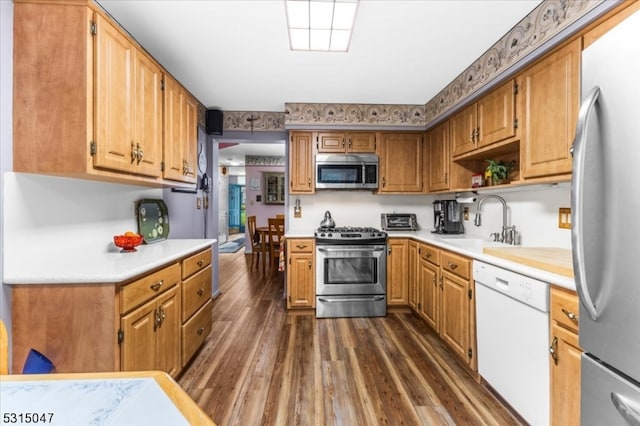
256	247
276	237
279	216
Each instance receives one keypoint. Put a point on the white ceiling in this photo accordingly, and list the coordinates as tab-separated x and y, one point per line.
234	54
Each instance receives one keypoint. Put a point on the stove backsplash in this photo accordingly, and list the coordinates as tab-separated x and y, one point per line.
533	211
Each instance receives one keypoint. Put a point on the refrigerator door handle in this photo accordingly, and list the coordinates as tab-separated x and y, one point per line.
623	406
578	150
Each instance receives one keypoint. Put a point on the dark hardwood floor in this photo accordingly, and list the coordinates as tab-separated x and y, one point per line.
262	366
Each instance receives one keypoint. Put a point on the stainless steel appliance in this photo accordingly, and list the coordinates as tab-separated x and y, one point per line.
346	171
605	229
351	269
399	221
447	218
512	320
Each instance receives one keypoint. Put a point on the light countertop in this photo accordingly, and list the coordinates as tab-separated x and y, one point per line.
473	248
85	265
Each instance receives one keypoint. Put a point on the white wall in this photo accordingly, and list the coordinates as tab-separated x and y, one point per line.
534	212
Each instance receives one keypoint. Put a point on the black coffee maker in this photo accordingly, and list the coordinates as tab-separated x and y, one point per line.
447	218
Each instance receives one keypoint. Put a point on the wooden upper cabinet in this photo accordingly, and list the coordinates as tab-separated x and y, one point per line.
439	157
301	173
98	99
551	97
401	156
180	133
128	114
490	120
346	142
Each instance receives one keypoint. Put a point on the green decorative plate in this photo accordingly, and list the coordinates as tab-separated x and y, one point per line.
153	220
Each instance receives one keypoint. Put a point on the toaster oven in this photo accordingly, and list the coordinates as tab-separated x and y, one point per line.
399	221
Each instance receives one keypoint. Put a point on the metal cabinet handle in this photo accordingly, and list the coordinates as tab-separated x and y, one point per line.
553	350
384	181
301	246
310	264
134	152
200	262
570	315
156	286
200	292
578	150
139	154
200	331
623	405
453	266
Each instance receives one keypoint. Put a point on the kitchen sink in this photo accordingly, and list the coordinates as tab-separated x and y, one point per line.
468	243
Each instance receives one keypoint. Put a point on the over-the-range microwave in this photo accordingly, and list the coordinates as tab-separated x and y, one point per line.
346	171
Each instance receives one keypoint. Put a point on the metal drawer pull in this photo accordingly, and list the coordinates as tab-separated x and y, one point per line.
553	350
301	246
156	286
200	292
200	262
200	331
570	315
452	265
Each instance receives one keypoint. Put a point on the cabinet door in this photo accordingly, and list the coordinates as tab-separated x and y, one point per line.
173	125
437	140
361	142
565	377
400	163
114	99
331	142
190	139
430	293
463	127
496	115
551	97
148	116
138	348
397	272
301	281
413	288
168	332
454	326
301	172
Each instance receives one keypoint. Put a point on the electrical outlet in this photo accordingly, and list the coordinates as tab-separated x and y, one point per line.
297	212
198	203
465	211
564	218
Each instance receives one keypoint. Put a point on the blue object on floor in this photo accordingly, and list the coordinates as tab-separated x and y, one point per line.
37	363
231	246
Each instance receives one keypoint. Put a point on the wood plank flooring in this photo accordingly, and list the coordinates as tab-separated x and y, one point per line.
261	366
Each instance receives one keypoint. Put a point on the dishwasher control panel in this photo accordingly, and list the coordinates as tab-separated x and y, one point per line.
520	287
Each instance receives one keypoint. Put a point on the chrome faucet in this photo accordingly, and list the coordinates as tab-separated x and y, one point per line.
509	235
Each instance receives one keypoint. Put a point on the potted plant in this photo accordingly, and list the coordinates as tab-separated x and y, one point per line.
497	171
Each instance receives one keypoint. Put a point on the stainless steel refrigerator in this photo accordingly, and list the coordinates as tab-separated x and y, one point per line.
606	227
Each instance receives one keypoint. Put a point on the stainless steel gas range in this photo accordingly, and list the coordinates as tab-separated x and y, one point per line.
351	272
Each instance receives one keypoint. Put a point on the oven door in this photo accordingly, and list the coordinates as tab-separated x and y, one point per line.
351	270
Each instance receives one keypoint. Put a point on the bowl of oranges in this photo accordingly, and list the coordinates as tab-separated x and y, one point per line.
128	241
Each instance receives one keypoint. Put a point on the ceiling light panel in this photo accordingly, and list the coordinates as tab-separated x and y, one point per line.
320	25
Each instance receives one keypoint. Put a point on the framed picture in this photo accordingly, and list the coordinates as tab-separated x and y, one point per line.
255	184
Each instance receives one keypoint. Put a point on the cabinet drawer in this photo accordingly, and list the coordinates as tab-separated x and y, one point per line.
300	246
138	292
196	290
458	265
195	331
195	263
564	308
430	254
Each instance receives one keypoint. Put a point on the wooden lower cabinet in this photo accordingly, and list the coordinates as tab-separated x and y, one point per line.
565	356
130	326
397	272
445	299
301	273
413	291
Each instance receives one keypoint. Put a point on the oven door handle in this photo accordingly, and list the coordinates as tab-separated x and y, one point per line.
339	249
337	299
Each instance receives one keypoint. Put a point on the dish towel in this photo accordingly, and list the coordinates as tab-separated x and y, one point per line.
281	261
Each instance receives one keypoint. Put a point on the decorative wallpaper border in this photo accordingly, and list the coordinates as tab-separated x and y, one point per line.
354	114
262	121
547	20
265	160
544	22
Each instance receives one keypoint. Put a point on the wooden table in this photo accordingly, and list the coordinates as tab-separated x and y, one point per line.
141	397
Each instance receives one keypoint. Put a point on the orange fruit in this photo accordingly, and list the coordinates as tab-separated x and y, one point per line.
130	234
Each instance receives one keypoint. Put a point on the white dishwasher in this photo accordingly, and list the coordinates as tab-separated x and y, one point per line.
512	319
